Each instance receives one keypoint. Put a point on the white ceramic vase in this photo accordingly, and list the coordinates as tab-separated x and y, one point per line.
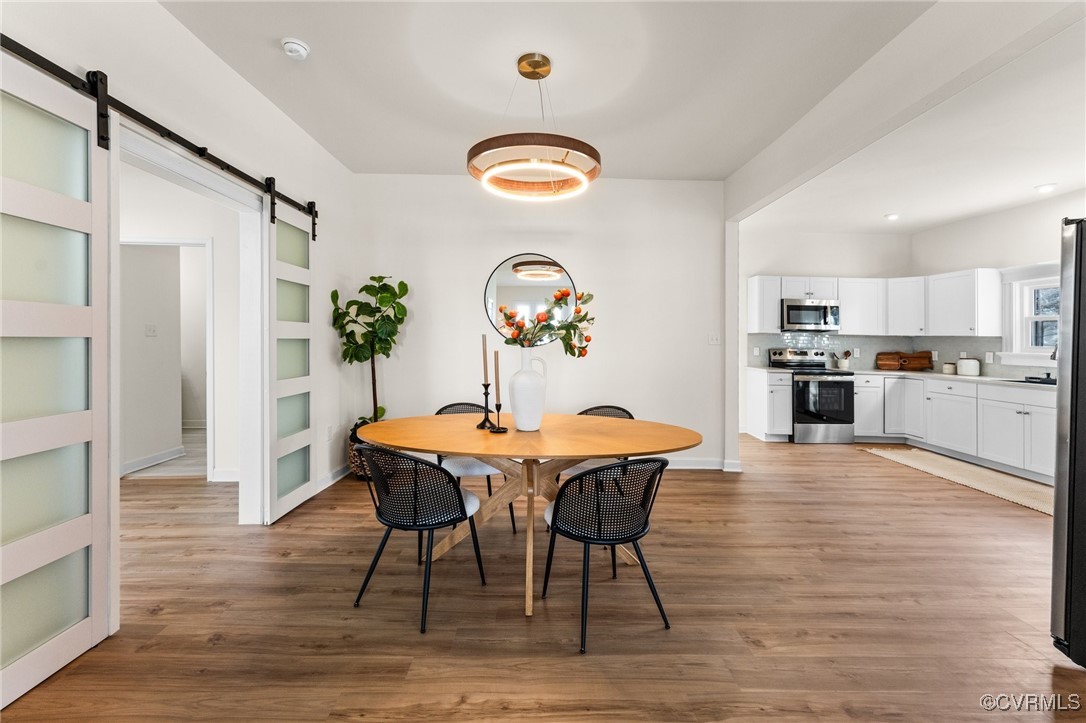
527	391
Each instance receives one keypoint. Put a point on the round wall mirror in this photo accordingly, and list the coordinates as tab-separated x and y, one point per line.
526	282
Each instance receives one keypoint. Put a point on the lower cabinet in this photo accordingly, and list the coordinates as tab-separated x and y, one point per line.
952	422
1017	435
869	405
905	407
779	410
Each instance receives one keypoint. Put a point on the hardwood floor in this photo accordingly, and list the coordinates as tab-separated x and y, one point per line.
822	583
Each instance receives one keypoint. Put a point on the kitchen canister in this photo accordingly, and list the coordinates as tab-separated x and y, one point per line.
950	368
969	367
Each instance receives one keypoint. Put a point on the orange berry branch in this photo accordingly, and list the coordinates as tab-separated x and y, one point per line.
548	324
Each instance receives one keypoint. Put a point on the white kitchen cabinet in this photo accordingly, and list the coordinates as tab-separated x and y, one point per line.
1001	433
965	303
906	306
779	406
764	304
863	306
1016	426
952	415
808	287
905	407
1040	435
769	404
870	405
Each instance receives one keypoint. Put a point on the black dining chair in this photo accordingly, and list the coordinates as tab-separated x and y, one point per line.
606	506
461	467
413	494
602	410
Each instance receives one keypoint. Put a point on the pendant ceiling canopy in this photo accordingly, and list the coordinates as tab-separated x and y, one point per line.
534	166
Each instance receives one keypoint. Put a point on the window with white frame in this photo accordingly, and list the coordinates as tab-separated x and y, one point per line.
1039	314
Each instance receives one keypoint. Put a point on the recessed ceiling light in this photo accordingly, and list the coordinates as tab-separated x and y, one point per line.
1045	188
295	49
892	217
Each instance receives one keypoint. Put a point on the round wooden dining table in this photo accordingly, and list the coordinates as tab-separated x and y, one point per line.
530	460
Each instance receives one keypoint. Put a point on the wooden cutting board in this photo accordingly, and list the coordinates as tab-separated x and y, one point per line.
888	360
915	361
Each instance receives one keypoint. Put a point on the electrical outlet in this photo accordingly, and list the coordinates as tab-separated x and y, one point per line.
757	351
856	352
961	355
989	357
935	356
714	339
150	329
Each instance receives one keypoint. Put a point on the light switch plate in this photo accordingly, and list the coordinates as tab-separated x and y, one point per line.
856	352
757	351
150	329
934	356
989	357
961	355
714	339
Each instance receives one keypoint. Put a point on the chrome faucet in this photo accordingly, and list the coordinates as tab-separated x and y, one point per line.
1054	350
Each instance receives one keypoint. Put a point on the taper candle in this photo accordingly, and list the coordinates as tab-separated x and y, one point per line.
486	378
497	380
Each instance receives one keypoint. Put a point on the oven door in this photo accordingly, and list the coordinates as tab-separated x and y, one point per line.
823	409
810	315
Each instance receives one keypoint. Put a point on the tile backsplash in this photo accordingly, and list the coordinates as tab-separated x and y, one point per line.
949	348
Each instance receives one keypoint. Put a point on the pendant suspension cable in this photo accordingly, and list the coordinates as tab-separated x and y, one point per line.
508	103
554	116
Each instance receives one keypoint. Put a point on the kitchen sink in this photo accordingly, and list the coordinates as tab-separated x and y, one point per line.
1050	381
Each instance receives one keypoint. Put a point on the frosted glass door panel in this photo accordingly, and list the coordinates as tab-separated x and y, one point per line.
42	149
293	471
292	301
292	414
292	358
41	604
38	491
291	245
42	263
42	376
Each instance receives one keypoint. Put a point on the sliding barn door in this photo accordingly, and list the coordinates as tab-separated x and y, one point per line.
291	478
54	378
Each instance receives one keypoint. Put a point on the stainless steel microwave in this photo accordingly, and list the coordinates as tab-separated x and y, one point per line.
810	315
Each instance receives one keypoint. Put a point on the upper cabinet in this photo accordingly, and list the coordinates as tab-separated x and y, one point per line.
906	306
764	304
965	303
863	306
808	287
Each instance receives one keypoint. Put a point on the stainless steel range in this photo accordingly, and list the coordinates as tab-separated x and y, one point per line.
823	407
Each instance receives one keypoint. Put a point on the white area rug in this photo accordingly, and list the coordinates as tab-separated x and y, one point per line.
1027	493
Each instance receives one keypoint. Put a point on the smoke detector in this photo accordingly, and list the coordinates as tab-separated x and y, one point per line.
295	49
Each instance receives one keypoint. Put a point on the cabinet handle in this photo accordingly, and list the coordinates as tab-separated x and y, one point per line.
1026	413
1018	412
921	328
971	329
928	398
950	388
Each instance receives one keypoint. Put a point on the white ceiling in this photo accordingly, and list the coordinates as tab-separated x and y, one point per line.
663	90
982	150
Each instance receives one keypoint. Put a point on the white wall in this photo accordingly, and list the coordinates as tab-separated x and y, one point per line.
152	208
651	251
1023	235
157	66
194	337
150	365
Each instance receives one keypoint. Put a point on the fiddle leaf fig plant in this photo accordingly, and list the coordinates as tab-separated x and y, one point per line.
368	327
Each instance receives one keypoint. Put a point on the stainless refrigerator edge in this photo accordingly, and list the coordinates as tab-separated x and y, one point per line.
1069	517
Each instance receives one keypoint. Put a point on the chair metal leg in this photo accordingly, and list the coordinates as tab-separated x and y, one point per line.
584	598
648	578
420	547
426	577
369	486
512	518
475	543
373	565
614	564
550	556
489	489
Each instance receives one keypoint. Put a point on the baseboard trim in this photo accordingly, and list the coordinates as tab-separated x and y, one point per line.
981	462
695	463
151	460
732	465
332	477
224	475
193	424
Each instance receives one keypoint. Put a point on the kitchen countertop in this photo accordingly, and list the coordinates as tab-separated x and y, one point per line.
1002	381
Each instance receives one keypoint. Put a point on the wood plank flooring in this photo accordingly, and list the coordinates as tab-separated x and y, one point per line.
822	583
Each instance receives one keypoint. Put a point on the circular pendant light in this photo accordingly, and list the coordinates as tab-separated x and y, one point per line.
534	166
